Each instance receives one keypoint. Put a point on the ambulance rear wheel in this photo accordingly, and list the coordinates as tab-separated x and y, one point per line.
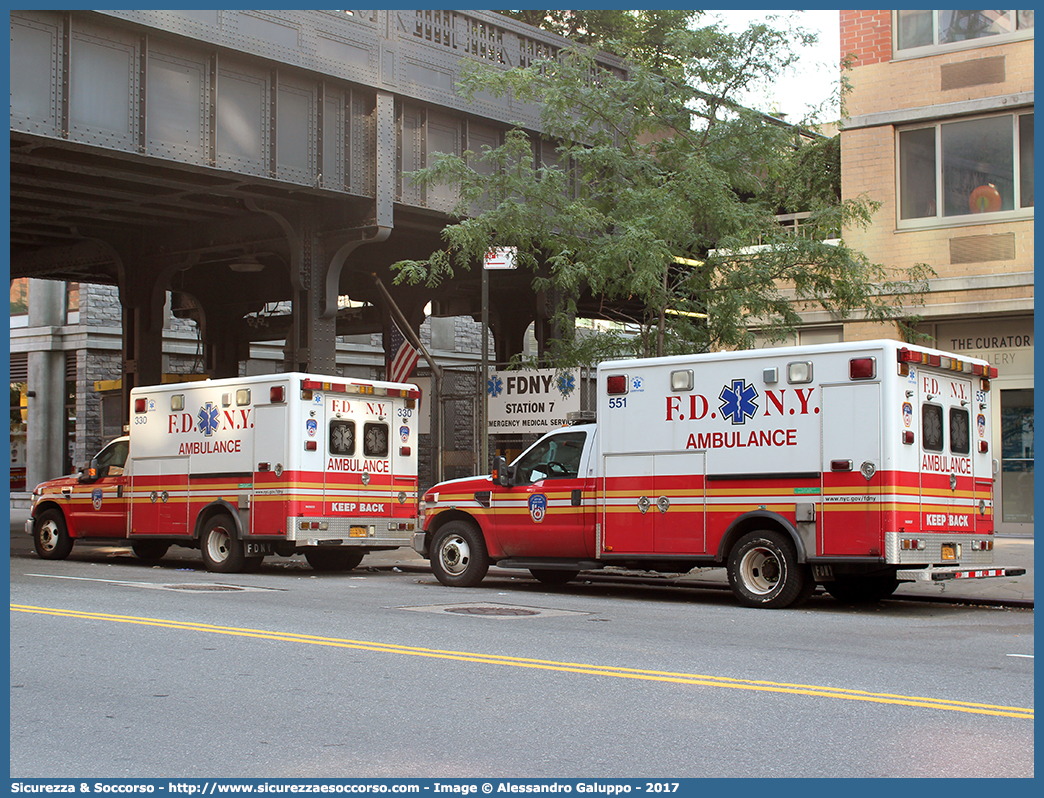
551	576
149	550
764	571
458	555
51	536
222	551
330	559
862	589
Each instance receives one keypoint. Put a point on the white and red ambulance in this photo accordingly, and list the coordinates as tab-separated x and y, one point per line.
854	465
247	467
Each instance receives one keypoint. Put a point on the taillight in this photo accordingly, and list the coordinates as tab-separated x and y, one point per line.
616	384
908	437
276	394
139	405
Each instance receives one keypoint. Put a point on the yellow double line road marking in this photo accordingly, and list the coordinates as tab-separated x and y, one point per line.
550	665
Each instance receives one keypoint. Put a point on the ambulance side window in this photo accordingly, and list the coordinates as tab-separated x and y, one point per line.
342	438
557	457
375	440
932	428
112	459
960	431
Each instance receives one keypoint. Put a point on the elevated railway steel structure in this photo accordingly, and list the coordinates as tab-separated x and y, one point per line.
245	157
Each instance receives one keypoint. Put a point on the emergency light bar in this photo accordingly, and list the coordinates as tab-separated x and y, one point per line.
357	388
949	363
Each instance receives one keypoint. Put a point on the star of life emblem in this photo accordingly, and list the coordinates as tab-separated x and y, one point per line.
208	419
738	402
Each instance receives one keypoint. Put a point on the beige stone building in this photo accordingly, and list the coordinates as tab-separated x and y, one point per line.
939	129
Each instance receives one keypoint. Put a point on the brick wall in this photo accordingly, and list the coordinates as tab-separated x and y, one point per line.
867	35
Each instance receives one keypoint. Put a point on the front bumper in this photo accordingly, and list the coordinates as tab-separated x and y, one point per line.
420	543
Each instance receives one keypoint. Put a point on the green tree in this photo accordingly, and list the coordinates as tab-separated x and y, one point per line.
640	35
661	202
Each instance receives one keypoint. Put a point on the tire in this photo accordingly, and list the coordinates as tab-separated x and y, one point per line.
458	555
51	536
551	576
331	559
764	571
222	551
149	550
862	589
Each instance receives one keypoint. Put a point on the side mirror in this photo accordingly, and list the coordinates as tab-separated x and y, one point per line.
91	472
501	476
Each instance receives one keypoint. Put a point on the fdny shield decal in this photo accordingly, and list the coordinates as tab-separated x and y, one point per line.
538	506
404	434
96	498
312	426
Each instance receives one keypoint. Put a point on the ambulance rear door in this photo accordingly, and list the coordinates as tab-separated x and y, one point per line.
945	406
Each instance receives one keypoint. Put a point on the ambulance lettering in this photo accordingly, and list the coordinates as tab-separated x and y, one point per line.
210	421
372	508
941	464
946	521
356	465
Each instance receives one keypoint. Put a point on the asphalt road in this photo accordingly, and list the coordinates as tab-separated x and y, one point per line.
119	669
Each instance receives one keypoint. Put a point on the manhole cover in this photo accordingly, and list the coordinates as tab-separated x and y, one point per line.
480	609
491	611
212	588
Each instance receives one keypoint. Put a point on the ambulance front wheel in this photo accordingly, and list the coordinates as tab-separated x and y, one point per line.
458	555
764	571
222	551
51	536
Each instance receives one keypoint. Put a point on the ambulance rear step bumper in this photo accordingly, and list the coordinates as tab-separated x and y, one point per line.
954	572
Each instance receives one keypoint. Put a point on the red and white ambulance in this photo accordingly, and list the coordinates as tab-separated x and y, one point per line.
854	465
243	468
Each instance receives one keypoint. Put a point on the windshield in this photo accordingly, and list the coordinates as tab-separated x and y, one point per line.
555	457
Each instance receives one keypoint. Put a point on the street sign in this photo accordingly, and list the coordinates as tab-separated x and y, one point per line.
502	258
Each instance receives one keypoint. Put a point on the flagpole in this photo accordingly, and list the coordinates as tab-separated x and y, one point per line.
484	375
407	330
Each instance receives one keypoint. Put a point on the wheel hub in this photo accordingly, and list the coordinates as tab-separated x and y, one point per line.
761	570
455	555
48	536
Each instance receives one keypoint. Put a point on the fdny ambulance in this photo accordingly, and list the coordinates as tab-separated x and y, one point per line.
856	466
244	468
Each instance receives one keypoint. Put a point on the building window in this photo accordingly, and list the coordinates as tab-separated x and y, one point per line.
925	31
72	303
961	171
20	302
1016	480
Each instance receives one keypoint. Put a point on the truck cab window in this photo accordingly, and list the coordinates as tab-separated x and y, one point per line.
557	457
112	459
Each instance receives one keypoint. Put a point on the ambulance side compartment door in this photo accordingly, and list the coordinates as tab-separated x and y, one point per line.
851	514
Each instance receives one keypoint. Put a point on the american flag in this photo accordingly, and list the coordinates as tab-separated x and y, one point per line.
401	357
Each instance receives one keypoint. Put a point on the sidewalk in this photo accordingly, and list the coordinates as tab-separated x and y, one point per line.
1009	551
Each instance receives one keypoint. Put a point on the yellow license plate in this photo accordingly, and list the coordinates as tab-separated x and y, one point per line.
949	552
357	532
